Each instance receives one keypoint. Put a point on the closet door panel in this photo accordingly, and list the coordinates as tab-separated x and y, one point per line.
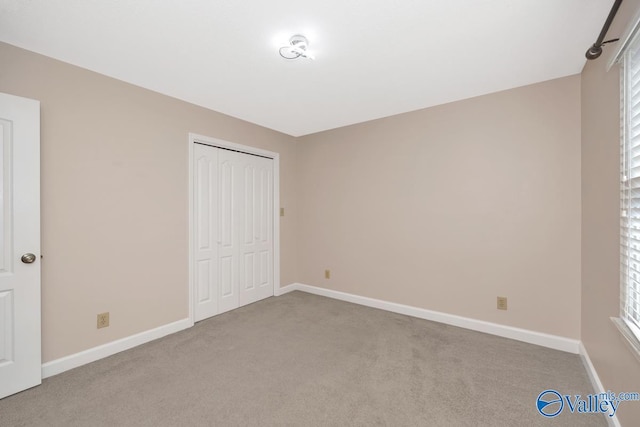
257	239
228	202
205	223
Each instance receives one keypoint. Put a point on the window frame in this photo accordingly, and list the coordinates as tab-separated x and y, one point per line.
629	328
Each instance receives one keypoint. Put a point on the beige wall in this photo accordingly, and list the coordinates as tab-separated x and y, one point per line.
448	207
614	362
114	199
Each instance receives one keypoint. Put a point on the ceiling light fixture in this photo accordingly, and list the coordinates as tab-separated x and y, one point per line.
297	48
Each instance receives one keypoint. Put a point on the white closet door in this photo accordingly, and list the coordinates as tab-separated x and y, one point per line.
205	184
256	231
229	174
233	229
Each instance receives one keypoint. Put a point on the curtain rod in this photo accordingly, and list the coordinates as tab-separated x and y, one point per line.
596	50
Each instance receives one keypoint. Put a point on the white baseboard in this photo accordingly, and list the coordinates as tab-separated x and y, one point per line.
91	355
546	340
286	289
595	381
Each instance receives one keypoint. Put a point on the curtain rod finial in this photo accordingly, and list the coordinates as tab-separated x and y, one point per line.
593	52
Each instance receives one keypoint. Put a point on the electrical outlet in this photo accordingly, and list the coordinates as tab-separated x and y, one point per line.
502	303
281	211
327	274
103	320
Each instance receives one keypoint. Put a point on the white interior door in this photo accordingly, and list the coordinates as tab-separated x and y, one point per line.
20	353
233	229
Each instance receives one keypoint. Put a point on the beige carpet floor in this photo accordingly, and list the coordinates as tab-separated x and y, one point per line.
305	360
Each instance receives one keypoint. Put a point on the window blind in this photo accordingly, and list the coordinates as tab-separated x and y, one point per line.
630	190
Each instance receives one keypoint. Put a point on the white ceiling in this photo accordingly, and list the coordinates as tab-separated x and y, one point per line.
374	58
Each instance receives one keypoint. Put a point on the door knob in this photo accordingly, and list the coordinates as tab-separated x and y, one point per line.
28	258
